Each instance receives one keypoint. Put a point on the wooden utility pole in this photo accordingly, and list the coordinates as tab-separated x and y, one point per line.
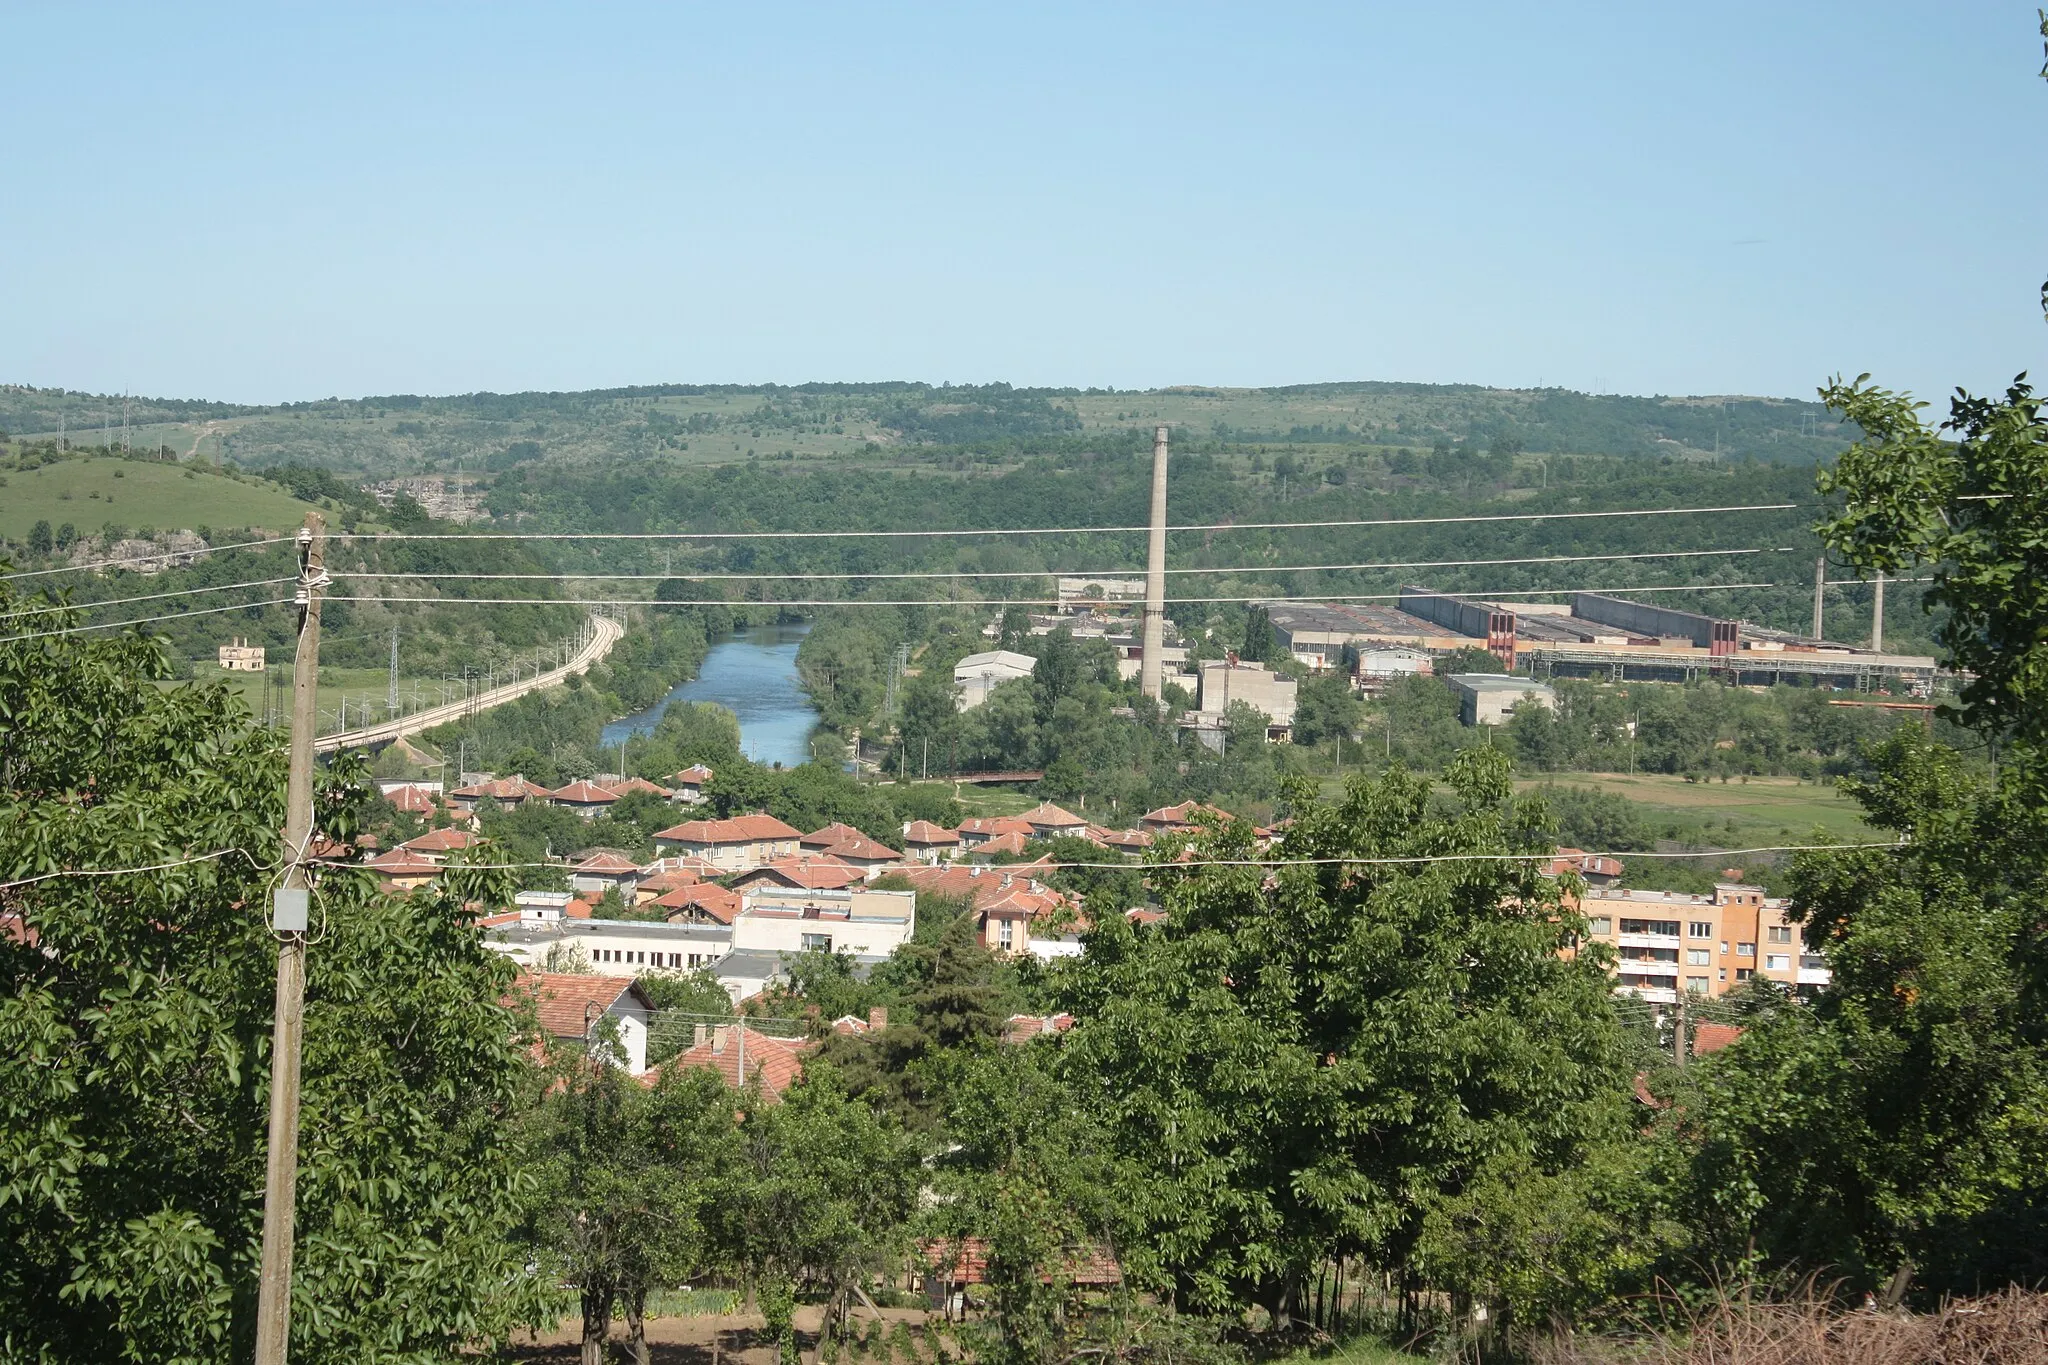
280	1184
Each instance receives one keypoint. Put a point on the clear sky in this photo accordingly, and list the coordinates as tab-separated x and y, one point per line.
265	203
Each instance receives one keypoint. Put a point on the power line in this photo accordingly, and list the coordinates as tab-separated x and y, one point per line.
141	620
1061	573
163	558
1047	866
1006	601
146	597
1063	530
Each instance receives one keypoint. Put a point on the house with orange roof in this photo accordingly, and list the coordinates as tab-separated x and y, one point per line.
1131	842
413	800
732	845
657	880
1048	821
604	869
745	1056
859	851
1015	912
403	869
582	1008
584	797
829	835
926	842
687	786
506	791
1181	818
703	903
807	872
1011	843
436	844
978	831
641	784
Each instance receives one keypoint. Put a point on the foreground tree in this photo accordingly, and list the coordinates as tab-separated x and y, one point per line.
1319	1060
134	1028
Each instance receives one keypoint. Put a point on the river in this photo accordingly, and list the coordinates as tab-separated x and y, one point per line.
753	675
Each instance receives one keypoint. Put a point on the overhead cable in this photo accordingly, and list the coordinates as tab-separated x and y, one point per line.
1048	866
1059	573
11	612
141	620
1058	530
165	558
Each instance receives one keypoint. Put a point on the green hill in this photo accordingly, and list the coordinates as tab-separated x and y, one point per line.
133	494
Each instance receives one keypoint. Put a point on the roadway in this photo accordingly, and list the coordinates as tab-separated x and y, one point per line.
604	633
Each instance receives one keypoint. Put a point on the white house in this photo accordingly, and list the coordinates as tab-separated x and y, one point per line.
856	919
575	1007
977	675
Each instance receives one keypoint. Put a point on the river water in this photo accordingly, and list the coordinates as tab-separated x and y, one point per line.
753	675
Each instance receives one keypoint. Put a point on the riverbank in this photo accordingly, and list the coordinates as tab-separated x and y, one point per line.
753	674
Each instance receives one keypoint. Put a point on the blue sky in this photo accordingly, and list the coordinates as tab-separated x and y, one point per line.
259	203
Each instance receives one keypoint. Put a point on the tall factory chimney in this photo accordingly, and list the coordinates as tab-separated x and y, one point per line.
1155	573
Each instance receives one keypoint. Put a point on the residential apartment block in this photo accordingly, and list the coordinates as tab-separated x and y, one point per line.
736	845
1670	941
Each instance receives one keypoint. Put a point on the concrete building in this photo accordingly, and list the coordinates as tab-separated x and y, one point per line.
612	947
241	657
1085	594
1379	665
977	675
1487	698
1316	633
1706	945
1256	685
855	919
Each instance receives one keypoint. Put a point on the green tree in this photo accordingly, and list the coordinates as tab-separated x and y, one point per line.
1326	709
135	1012
1316	1063
39	538
823	1187
1258	636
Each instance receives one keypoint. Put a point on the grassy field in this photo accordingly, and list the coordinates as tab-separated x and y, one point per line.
134	493
353	685
1736	813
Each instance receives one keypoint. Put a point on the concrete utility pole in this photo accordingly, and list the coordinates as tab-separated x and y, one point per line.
391	701
1155	574
1678	1032
280	1184
1820	588
1877	618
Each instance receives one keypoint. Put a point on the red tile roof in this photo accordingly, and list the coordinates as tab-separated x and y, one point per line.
1008	890
857	847
583	792
641	784
1127	840
411	800
515	788
400	862
741	829
608	864
696	775
576	909
708	898
1182	816
831	834
443	841
988	827
809	872
568	1002
1004	843
1022	1028
964	1261
1045	815
670	879
1713	1037
926	833
776	1063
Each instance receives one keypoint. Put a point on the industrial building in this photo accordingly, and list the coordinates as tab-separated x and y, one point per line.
1226	681
977	675
1489	698
1594	635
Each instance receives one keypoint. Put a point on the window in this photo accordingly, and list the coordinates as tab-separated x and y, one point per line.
1005	930
1701	928
1777	962
1696	984
1650	926
1600	924
1745	950
820	942
1779	933
1744	973
696	959
1698	957
1724	973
